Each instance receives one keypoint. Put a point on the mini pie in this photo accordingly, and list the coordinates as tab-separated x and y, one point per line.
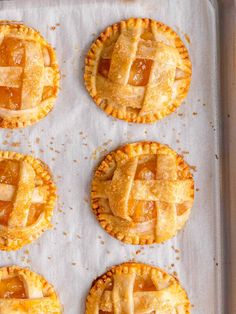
142	193
138	70
29	75
25	292
27	199
133	288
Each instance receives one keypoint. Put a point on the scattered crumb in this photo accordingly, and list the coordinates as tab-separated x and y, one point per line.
15	144
9	134
194	168
187	38
100	150
175	274
86	200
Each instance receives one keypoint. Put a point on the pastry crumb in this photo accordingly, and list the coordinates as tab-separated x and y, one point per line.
186	36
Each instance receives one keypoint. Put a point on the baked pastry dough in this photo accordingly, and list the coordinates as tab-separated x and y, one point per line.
29	75
133	288
25	292
142	193
27	198
138	70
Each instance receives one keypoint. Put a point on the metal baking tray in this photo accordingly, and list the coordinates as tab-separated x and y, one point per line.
203	129
227	44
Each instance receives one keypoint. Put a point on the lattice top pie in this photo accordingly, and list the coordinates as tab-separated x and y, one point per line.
138	70
27	199
142	193
134	288
29	75
25	292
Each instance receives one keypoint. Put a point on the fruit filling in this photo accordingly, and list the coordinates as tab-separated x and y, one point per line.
141	211
9	172
34	213
142	284
5	211
12	288
12	53
139	72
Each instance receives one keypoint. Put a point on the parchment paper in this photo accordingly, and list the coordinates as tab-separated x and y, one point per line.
73	138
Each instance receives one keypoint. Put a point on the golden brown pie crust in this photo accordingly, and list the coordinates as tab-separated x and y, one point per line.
137	288
138	70
29	75
27	199
23	291
142	193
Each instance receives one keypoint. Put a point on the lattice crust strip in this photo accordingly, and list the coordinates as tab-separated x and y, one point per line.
124	290
165	194
125	50
33	74
34	188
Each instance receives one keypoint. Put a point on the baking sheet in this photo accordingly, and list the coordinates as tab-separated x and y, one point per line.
228	74
76	135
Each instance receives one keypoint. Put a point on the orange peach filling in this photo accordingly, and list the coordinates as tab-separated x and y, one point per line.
10	98
12	288
5	211
34	213
9	171
141	211
9	174
142	284
11	54
139	72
